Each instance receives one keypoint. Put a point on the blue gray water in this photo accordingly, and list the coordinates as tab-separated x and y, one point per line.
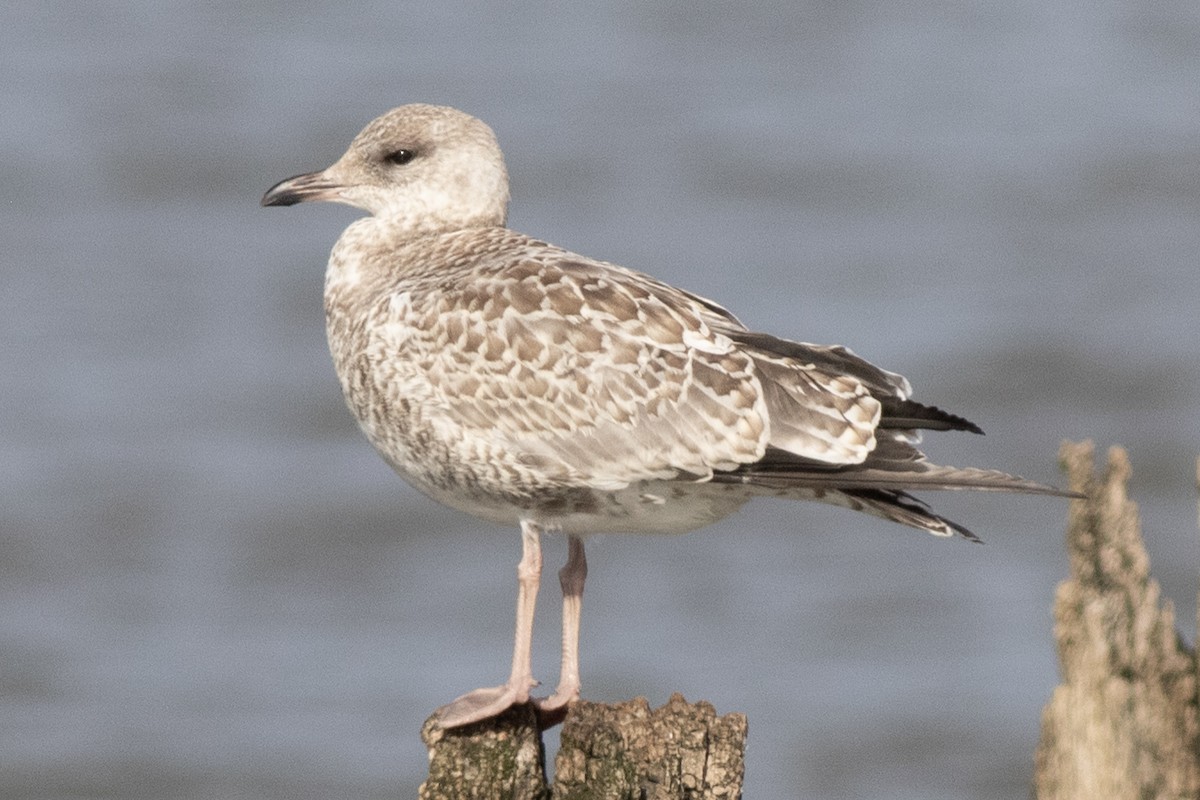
210	587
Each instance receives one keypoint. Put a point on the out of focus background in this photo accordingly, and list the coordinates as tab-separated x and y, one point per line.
211	587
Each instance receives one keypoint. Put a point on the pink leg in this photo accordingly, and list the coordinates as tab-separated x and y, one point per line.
571	577
483	704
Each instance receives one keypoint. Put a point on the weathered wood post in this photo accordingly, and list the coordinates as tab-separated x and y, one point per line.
1123	723
497	759
625	751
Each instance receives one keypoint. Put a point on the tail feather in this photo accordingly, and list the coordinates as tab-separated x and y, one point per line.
904	469
930	477
882	490
902	508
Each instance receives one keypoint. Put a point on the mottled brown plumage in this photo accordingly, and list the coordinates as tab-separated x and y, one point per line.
529	385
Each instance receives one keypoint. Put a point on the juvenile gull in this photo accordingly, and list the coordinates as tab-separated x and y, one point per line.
532	386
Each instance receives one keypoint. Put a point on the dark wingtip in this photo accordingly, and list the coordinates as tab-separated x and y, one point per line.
963	533
911	414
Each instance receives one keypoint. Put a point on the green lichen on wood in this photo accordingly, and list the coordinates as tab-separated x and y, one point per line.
624	751
497	759
629	752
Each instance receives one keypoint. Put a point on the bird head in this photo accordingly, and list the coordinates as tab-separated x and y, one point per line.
423	167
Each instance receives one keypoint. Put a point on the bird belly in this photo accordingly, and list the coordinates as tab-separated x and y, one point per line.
661	507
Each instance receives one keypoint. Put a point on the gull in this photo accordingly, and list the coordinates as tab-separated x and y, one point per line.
531	386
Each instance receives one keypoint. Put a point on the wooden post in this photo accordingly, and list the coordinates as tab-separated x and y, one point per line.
624	751
1124	722
628	752
497	759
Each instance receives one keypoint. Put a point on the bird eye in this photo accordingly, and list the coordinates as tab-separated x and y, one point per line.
400	156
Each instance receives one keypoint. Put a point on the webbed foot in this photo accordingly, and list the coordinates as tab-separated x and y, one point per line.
481	704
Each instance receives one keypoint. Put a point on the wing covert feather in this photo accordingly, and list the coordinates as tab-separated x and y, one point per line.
674	386
507	357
